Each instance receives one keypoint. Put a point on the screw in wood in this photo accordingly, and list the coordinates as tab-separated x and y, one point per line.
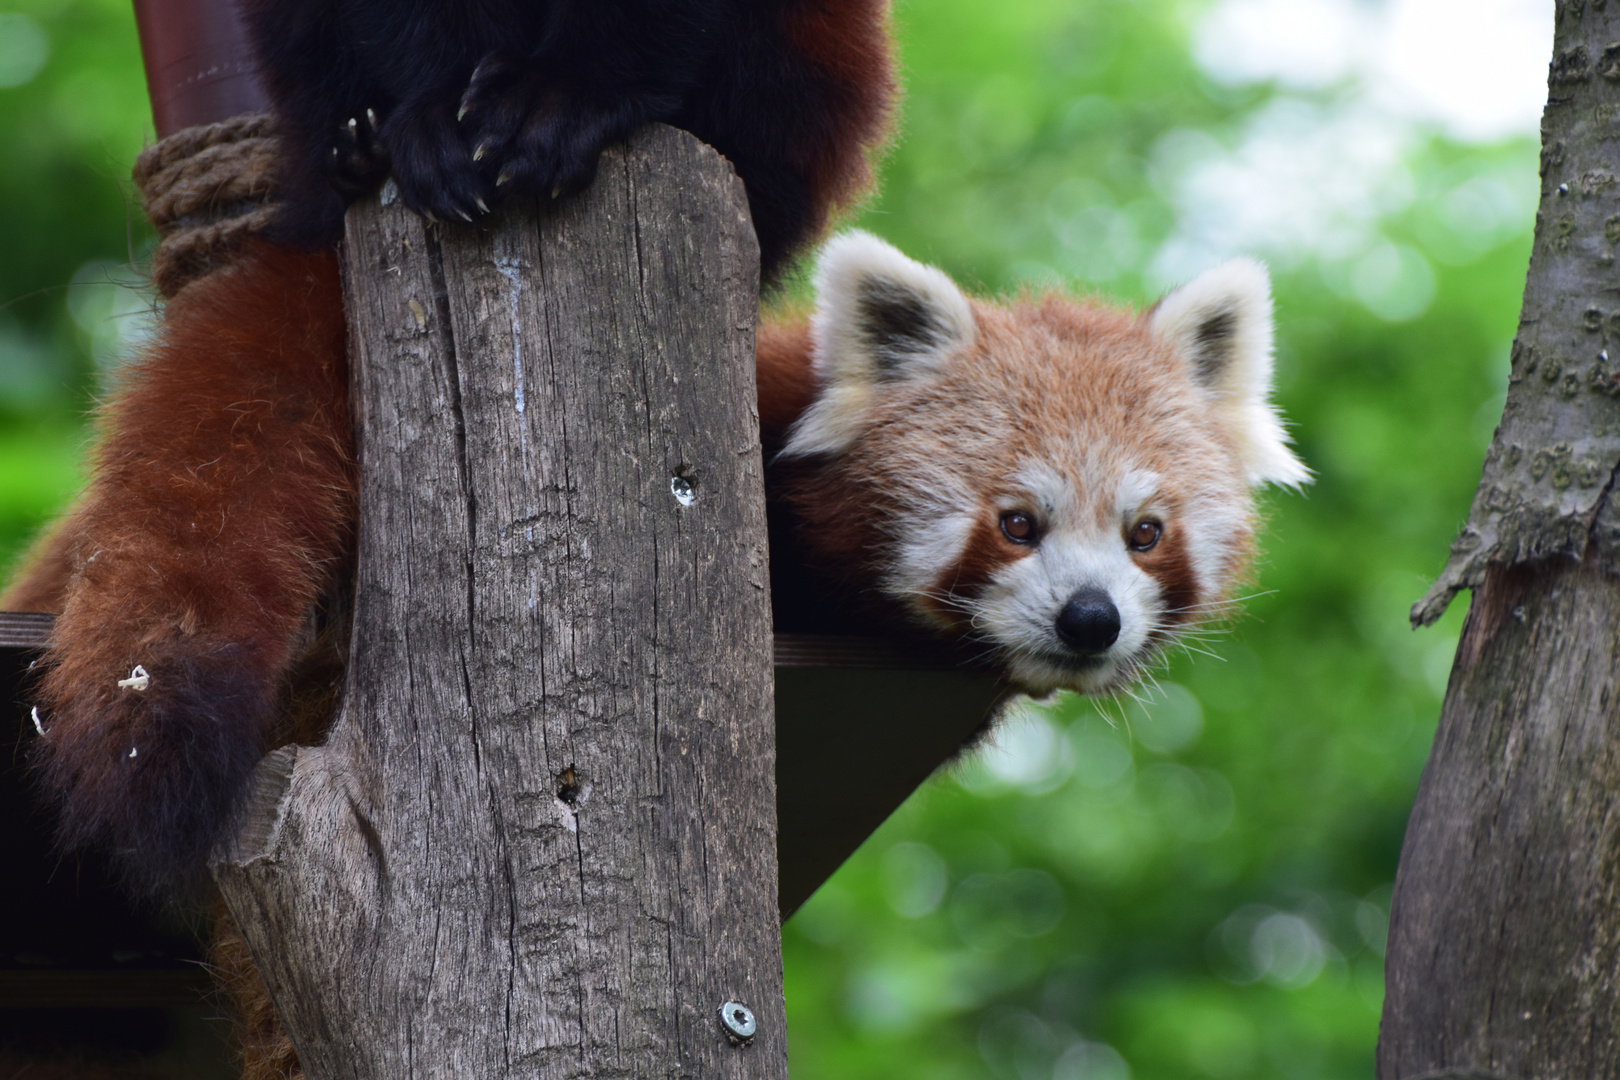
738	1020
684	490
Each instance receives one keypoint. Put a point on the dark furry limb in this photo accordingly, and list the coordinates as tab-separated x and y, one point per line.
473	102
218	514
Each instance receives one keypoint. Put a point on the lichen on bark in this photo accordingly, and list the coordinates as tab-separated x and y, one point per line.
1549	473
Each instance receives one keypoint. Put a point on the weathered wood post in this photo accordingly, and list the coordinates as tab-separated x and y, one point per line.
1504	947
541	839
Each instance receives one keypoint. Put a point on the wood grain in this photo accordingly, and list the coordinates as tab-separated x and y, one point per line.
540	841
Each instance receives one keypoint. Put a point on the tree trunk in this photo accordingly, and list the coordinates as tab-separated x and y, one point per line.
1504	948
541	838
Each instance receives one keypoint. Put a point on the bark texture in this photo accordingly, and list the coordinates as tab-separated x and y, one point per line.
1504	949
541	838
1550	468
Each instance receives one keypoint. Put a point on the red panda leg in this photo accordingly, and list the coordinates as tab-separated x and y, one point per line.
219	508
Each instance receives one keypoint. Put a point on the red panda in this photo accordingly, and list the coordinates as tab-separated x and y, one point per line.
1066	483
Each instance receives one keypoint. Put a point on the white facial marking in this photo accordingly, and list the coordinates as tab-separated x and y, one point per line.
920	558
1043	490
1132	498
1210	526
1081	545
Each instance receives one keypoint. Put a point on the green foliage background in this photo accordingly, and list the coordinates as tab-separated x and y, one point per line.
1192	887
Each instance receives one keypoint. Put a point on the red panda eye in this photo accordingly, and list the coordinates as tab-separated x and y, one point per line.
1018	527
1144	535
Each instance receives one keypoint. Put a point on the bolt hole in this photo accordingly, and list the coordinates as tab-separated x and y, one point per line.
568	787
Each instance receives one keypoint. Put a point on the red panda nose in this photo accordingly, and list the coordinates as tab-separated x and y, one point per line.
1089	622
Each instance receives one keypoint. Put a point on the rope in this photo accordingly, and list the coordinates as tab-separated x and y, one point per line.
207	189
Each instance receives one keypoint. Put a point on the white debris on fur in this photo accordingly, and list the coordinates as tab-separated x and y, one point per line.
38	725
132	751
138	680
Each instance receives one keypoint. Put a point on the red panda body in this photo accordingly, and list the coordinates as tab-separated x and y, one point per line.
1066	484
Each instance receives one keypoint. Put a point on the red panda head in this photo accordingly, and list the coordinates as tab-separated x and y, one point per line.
1066	482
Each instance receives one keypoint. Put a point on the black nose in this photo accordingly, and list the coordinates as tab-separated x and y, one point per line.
1089	622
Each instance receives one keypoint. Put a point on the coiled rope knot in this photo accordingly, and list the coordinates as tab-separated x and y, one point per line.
207	189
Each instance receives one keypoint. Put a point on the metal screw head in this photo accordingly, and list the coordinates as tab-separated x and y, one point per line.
682	488
738	1020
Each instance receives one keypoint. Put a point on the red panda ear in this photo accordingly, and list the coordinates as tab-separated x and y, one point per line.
1220	323
880	318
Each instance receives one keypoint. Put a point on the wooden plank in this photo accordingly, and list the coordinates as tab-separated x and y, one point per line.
24	629
853	743
861	723
868	654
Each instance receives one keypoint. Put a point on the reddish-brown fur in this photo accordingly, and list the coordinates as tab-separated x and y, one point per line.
785	378
267	1052
849	41
987	551
219	511
217	518
41	582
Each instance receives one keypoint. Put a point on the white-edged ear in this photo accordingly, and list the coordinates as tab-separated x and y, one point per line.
1221	323
880	318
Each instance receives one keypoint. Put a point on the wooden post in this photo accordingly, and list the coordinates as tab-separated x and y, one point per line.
541	839
1504	946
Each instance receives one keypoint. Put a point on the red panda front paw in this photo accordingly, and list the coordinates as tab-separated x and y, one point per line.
531	136
151	764
433	163
357	160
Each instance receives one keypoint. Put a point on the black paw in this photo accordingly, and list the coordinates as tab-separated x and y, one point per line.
433	162
358	162
533	137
